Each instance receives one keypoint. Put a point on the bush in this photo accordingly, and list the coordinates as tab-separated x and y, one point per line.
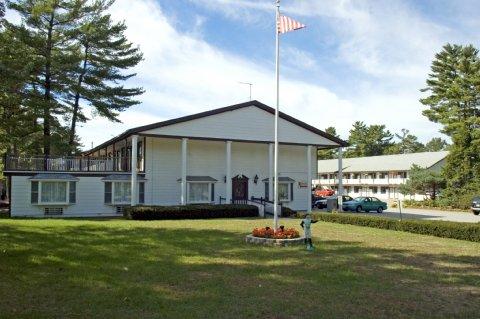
288	212
463	231
190	212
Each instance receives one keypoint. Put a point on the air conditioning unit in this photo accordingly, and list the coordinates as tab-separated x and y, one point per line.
52	211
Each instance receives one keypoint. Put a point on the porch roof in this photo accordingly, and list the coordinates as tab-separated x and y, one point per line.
191	178
281	179
122	177
54	176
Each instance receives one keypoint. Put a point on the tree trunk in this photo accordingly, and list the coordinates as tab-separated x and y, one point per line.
48	88
76	106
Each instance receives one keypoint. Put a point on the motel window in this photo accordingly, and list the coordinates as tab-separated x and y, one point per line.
402	175
383	175
383	190
200	192
373	190
356	176
121	192
53	192
356	189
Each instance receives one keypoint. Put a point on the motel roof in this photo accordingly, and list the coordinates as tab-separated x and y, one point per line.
383	163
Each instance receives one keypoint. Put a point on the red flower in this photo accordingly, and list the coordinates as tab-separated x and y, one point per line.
280	233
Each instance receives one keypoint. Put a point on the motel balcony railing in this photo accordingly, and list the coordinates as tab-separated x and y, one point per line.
72	164
363	181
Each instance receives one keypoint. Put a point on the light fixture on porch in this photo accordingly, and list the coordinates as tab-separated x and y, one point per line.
255	179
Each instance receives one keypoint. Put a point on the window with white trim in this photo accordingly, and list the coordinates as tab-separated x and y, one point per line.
285	191
53	192
200	192
121	192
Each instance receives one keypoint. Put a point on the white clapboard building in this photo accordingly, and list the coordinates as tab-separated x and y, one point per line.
220	156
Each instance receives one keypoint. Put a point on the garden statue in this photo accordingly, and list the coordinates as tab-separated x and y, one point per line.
306	224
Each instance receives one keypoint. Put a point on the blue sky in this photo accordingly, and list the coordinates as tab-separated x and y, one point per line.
356	60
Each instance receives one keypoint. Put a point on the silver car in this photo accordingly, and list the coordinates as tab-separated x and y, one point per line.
476	205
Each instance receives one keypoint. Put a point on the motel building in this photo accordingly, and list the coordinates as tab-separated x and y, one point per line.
225	155
377	176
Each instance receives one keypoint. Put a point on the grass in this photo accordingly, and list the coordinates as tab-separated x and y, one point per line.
203	269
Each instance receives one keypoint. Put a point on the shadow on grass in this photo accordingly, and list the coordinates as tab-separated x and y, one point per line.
98	271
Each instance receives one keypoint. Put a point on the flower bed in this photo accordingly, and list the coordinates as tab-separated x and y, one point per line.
280	233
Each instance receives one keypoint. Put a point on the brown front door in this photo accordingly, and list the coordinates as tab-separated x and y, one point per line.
240	189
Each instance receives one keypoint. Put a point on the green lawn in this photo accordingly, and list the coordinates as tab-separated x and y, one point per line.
203	269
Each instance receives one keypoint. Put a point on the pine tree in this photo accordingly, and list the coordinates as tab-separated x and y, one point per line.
329	153
454	102
407	143
47	31
106	54
2	10
18	111
368	140
436	144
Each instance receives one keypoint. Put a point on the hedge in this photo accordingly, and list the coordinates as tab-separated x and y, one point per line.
190	212
462	231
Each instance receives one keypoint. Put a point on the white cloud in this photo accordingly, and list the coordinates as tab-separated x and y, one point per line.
182	74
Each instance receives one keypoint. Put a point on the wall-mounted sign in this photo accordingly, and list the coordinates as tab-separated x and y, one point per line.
302	184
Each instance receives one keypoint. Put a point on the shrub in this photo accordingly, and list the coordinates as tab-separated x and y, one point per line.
288	212
463	231
190	212
281	233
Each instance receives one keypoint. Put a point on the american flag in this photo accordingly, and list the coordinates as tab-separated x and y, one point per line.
286	24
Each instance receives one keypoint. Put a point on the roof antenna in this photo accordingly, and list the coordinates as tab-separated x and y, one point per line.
250	87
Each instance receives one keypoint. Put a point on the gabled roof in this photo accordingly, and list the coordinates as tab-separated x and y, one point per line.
383	163
255	103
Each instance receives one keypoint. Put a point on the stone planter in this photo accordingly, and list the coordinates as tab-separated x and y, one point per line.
250	239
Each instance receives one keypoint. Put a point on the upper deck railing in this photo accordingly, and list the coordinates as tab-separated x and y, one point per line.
71	164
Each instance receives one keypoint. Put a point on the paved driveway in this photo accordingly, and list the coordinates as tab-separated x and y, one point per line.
426	214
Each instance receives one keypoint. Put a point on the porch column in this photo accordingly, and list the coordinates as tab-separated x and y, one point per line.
228	172
183	197
133	193
309	179
340	179
270	171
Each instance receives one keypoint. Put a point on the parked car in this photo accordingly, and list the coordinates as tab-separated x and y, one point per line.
318	202
323	192
322	202
365	204
476	205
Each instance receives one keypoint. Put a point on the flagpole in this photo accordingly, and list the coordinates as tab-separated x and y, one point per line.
277	75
